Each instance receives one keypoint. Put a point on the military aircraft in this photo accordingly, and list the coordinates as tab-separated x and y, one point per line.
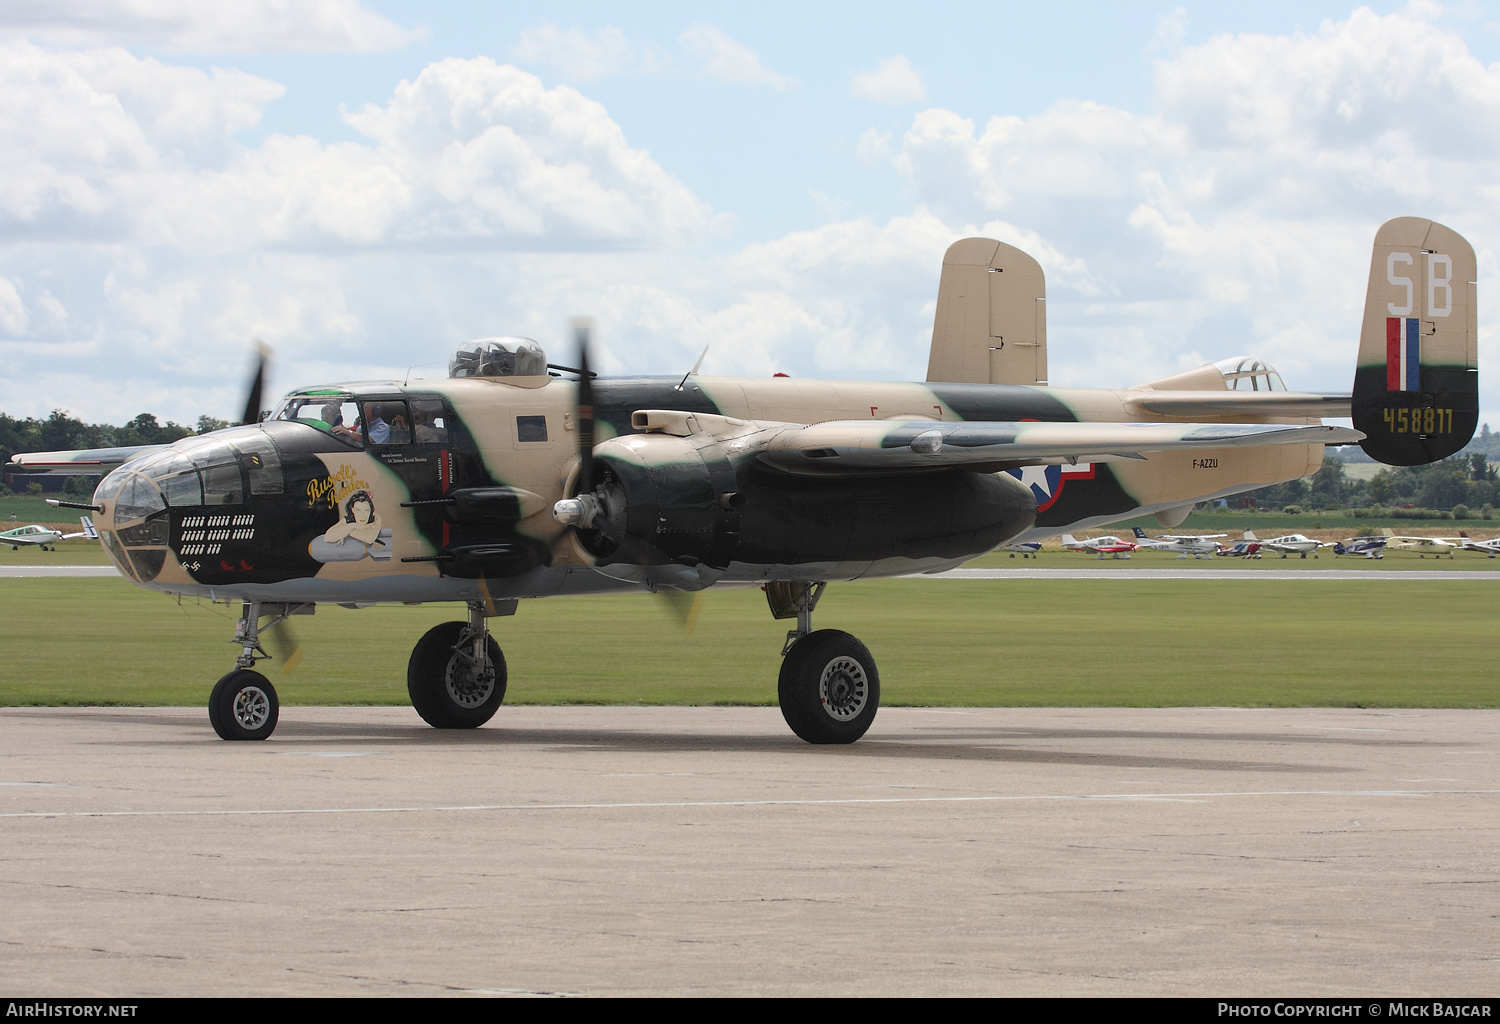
1184	544
514	478
1102	546
45	537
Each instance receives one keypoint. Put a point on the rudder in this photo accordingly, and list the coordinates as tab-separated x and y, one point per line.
1416	386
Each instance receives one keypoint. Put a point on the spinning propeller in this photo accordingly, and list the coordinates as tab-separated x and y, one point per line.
580	511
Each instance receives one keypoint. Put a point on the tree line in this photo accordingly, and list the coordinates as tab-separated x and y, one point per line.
61	432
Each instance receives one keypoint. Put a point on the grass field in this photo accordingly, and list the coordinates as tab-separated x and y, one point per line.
938	642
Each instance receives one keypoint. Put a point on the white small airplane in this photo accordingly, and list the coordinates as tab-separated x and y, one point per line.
1026	550
45	537
1437	547
1290	544
1103	545
1195	544
1485	547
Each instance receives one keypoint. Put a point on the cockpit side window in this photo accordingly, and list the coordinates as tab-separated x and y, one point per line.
332	413
386	422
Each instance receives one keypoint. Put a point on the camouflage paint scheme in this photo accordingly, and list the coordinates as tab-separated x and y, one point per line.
256	546
711	480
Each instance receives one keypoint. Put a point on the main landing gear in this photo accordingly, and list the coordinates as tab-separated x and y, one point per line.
456	676
243	704
829	688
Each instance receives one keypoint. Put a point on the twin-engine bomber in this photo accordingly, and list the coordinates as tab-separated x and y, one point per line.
515	478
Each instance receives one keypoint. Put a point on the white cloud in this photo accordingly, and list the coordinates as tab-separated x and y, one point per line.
13	319
224	26
109	146
1240	215
894	81
581	57
1236	217
725	60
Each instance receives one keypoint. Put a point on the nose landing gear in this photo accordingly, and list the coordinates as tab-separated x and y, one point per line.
244	704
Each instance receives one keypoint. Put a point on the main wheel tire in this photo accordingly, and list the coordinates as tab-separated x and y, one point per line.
829	687
443	686
243	706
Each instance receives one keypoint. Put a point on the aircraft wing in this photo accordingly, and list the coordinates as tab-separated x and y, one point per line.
85	462
886	445
1292	404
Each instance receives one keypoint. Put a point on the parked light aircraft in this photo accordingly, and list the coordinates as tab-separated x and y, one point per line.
1290	544
504	482
1241	549
1025	550
45	537
1485	547
1437	547
1184	544
1369	547
1101	546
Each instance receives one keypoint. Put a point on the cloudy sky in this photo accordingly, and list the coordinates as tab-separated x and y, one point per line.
365	185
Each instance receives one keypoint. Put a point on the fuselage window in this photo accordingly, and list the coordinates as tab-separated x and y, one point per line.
222	485
531	428
386	422
429	421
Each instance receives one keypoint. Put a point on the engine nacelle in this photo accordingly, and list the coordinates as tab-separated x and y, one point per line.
663	500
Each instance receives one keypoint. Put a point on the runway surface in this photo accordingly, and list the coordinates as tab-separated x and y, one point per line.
643	851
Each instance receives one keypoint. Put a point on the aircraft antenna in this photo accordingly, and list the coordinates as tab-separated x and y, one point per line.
685	376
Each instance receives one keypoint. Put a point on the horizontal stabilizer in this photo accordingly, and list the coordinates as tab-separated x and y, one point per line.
86	462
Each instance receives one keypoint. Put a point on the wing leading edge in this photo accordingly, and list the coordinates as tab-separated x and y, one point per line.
893	445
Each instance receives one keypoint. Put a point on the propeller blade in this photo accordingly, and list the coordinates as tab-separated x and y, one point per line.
251	414
284	641
683	606
581	330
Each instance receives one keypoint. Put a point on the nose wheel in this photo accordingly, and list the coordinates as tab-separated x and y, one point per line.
243	706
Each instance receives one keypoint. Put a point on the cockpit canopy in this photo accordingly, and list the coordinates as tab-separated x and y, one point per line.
1243	373
498	357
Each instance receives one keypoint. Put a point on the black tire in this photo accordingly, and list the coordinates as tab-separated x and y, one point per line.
829	687
244	706
442	686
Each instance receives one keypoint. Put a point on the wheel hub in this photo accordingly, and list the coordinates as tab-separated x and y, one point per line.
469	685
843	688
252	708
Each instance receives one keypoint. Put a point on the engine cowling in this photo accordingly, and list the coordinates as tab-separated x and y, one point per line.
670	500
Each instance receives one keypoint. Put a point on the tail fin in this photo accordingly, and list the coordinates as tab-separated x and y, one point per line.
1067	538
1140	533
1416	388
89	528
991	321
1250	535
1387	532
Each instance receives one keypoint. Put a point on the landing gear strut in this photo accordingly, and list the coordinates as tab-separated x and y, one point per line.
829	688
243	704
456	676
